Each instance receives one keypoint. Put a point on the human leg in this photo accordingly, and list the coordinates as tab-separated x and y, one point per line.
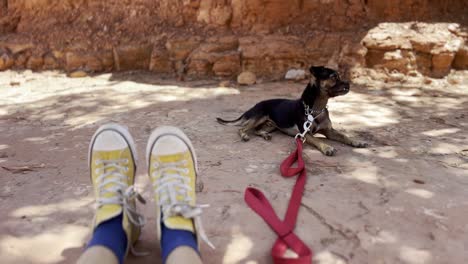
172	168
116	225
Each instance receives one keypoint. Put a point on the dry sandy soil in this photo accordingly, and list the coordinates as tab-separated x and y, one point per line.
402	200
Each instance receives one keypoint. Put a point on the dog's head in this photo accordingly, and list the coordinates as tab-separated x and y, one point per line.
328	81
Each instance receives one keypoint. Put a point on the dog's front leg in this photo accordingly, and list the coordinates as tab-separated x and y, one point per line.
336	135
320	145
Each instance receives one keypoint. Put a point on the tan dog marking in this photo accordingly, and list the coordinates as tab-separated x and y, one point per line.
320	145
336	135
249	125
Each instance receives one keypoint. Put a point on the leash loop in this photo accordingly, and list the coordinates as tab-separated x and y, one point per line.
287	239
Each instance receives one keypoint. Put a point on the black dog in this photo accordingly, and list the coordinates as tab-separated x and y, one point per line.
289	116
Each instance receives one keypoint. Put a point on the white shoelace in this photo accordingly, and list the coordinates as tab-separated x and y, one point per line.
112	174
169	186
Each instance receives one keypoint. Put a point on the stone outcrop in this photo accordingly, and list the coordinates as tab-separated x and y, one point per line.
222	38
295	75
427	48
246	78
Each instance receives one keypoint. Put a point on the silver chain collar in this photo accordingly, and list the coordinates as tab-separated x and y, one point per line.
309	113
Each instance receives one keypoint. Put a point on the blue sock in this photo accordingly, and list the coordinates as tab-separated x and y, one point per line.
174	238
111	235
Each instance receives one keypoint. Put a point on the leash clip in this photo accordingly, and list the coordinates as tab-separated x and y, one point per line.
299	135
307	125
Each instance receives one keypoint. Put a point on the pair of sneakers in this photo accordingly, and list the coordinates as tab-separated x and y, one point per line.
172	168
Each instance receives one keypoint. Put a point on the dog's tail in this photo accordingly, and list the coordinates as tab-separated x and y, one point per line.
224	122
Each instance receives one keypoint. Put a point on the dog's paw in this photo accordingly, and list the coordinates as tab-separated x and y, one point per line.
329	151
359	144
245	138
266	137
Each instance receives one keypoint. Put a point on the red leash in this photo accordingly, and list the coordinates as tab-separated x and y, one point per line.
284	229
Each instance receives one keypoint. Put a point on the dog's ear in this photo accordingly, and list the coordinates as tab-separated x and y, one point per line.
317	72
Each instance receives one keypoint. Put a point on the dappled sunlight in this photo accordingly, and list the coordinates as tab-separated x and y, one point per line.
37	139
388	153
382	152
383	237
69	205
122	102
38	249
105	91
443	105
347	111
363	151
440	132
367	173
415	256
94	99
420	193
239	248
433	213
326	257
80	109
445	148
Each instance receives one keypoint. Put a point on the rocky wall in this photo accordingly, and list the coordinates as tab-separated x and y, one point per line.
429	49
200	38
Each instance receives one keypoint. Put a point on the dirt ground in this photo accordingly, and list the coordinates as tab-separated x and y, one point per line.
402	200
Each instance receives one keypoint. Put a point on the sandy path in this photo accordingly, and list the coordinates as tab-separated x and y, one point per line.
402	200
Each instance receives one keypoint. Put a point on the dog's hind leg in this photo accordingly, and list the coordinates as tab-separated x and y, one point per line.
265	130
249	125
320	145
336	135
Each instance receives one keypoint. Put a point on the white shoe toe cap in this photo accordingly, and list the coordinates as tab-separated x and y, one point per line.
169	145
109	140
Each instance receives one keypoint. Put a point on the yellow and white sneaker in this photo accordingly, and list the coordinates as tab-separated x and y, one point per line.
112	162
172	168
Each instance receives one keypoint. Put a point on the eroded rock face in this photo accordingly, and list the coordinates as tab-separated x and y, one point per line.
132	57
295	75
461	58
427	48
219	38
160	61
35	62
6	61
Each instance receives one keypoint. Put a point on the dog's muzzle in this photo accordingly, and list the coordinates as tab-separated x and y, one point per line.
346	87
340	89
